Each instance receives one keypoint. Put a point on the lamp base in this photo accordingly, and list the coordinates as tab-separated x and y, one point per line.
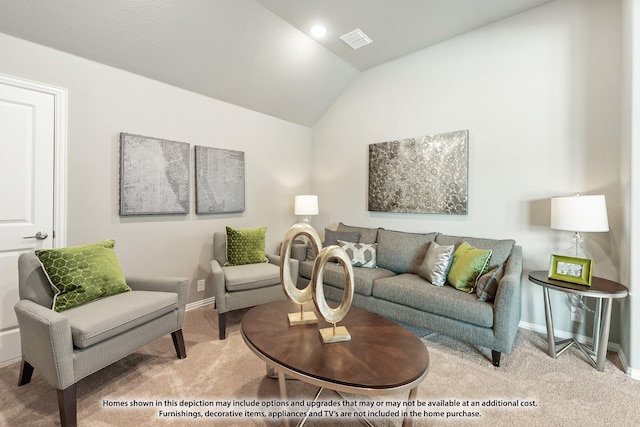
577	248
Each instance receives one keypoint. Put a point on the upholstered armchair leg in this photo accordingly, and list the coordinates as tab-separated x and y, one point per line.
67	406
26	370
495	356
222	325
178	343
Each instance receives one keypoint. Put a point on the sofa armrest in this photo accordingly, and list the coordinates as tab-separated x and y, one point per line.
507	304
179	285
219	285
294	265
46	342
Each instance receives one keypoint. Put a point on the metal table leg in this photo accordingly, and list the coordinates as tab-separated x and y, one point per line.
597	326
283	392
408	420
604	338
551	339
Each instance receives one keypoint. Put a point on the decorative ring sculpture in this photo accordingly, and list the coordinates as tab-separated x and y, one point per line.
332	315
314	289
298	296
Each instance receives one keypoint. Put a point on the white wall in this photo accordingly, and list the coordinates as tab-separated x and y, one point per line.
104	101
630	179
540	96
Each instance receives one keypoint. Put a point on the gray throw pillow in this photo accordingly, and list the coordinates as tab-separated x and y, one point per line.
331	238
436	264
487	284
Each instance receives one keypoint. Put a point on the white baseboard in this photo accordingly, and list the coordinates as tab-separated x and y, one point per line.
201	303
631	372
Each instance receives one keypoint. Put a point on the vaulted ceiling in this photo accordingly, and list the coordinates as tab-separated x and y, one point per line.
257	54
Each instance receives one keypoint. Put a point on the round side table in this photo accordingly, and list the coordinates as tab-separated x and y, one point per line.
604	291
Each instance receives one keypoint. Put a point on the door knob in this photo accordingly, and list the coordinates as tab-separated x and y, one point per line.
40	235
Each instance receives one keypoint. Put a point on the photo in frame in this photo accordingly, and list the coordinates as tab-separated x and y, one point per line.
154	176
220	180
571	269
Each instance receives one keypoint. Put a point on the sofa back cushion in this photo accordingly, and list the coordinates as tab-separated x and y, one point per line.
500	249
367	235
402	252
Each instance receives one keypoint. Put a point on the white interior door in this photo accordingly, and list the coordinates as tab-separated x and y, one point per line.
27	143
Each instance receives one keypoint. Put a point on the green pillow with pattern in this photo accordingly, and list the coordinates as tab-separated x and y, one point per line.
246	246
468	264
81	274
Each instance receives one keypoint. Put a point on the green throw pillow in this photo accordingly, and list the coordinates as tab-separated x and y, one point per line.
81	274
468	263
246	246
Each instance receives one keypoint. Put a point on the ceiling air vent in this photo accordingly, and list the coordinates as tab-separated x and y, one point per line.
356	39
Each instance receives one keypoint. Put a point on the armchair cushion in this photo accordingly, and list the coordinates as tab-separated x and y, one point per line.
81	274
251	276
246	245
108	317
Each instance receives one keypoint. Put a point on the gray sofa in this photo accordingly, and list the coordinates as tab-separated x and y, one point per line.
396	291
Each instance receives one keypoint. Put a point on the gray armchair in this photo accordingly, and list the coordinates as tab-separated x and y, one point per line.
242	286
68	346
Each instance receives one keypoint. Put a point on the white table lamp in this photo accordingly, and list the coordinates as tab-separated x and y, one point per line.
579	214
306	205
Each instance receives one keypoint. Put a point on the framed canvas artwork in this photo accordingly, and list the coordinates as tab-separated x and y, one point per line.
154	176
420	175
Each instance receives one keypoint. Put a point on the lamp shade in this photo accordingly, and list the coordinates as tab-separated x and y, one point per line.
306	205
579	213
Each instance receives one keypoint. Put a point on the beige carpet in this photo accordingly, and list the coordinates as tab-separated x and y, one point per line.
566	391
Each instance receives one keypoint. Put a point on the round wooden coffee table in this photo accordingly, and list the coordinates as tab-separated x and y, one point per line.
381	358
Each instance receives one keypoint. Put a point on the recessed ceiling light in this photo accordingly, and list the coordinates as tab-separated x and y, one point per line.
318	30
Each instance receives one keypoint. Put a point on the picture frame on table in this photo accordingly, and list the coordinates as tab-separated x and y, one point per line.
571	269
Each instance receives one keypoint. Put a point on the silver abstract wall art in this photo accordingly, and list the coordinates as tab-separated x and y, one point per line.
420	175
219	180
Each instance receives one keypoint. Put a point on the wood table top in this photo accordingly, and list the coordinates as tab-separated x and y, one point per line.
380	355
600	288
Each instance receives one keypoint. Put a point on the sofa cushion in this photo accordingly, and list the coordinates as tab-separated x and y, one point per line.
251	276
246	245
468	264
487	284
360	254
367	235
106	317
402	252
500	249
333	237
413	291
81	274
436	264
333	274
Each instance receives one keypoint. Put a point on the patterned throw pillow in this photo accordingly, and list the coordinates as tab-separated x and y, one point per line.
436	263
487	284
360	254
468	263
82	274
246	246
